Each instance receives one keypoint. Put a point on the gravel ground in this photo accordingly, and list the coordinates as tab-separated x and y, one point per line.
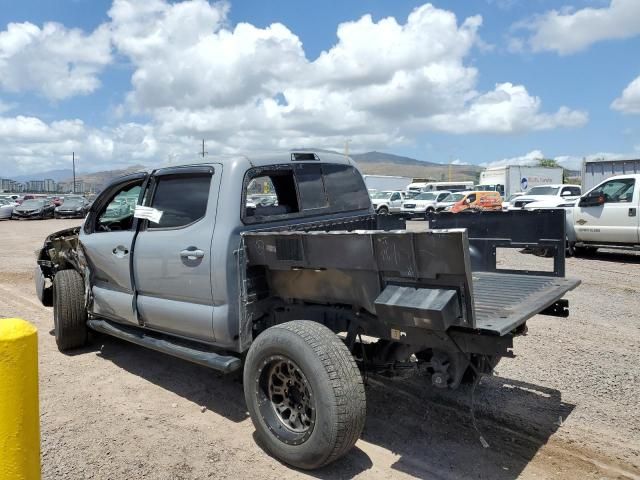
565	407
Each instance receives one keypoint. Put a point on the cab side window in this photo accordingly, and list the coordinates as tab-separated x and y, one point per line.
617	191
182	199
395	196
471	198
117	214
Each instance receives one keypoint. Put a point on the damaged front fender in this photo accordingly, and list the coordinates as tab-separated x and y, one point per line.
59	252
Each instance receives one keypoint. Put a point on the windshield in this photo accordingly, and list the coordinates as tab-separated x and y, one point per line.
34	203
381	195
543	191
453	197
73	202
426	196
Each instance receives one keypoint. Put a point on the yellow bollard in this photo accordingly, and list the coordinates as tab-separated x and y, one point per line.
19	412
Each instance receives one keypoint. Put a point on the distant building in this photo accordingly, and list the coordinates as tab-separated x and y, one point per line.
8	185
49	185
36	186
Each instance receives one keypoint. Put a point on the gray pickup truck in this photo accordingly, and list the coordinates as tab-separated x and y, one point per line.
301	289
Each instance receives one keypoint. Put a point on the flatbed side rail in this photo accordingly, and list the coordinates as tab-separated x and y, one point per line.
487	231
422	278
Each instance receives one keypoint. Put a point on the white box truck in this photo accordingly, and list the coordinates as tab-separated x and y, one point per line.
381	183
515	178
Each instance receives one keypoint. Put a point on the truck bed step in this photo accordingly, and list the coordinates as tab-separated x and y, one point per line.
225	364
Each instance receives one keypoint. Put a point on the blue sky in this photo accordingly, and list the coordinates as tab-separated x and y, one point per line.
508	79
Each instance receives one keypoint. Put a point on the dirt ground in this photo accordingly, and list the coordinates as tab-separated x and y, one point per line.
565	407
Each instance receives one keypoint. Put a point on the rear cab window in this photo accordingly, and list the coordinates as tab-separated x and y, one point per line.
288	191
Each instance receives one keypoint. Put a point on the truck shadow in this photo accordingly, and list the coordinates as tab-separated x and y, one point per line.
203	386
613	256
411	427
428	433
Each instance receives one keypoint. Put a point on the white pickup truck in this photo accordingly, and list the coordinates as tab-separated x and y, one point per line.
545	196
388	201
607	216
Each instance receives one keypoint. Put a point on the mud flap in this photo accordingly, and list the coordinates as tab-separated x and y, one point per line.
44	292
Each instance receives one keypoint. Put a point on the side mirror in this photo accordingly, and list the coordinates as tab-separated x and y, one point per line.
592	199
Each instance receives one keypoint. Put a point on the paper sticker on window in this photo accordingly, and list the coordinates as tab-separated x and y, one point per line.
147	213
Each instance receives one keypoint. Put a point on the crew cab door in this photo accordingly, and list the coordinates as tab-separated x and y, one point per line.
609	213
395	202
172	258
106	239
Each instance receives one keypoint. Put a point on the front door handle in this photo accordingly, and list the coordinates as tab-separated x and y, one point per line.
191	254
120	251
632	212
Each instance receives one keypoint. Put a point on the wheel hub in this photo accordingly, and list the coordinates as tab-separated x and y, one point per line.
285	400
289	395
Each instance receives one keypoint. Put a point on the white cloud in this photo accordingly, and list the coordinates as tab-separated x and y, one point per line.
531	158
568	31
193	76
629	101
53	60
382	81
508	108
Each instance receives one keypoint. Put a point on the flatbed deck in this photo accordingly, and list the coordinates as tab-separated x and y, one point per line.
503	301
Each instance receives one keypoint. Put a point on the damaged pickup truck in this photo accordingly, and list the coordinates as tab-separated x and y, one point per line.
300	292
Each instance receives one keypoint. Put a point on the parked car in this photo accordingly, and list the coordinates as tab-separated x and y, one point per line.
447	202
559	193
509	201
422	203
386	202
6	209
204	278
118	209
72	208
37	208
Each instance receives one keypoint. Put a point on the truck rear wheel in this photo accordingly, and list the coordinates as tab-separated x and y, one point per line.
69	313
304	393
383	211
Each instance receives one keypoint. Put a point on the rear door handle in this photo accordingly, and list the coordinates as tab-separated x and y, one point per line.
192	254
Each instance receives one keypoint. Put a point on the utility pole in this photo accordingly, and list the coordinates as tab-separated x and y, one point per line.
346	147
203	153
450	168
73	159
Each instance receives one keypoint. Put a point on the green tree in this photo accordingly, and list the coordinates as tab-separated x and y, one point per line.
548	162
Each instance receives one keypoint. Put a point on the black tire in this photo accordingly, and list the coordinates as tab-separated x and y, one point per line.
585	251
328	377
69	313
571	249
383	211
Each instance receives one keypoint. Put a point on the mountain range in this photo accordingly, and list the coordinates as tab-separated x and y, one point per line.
380	163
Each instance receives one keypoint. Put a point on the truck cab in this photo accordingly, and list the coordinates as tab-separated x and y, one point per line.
607	215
